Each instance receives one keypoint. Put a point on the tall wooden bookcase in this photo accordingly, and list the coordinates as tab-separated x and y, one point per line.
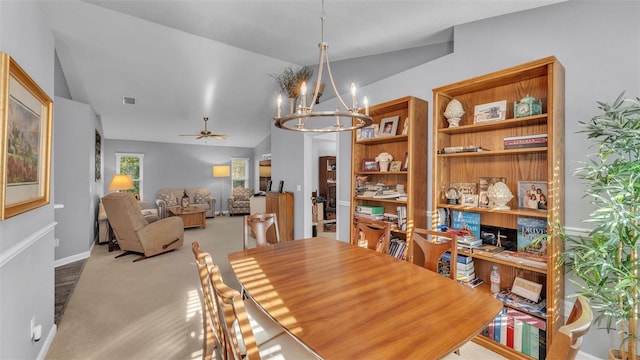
413	113
327	176
542	79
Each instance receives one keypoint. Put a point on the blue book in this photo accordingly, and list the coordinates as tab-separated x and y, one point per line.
467	221
530	236
462	259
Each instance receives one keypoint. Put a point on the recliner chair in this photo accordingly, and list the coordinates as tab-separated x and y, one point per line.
135	234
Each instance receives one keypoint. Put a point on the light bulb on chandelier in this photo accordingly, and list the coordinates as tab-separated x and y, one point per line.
302	118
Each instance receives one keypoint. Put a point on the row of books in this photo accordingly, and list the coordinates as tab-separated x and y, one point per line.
397	220
398	248
460	149
519	331
465	269
525	141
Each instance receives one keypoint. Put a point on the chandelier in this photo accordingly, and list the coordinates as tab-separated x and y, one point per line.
305	119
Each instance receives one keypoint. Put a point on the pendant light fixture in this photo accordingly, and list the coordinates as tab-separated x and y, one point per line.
306	120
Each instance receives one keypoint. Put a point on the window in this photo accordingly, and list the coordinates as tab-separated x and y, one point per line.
131	164
239	173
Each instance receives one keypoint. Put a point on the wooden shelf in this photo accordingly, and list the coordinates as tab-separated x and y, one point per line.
542	79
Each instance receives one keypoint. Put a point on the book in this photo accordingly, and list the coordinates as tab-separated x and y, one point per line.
401	211
531	236
517	301
525	144
461	149
371	210
464	220
524	137
487	250
475	282
462	259
498	236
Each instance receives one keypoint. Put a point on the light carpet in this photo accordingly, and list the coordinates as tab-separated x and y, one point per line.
151	309
145	310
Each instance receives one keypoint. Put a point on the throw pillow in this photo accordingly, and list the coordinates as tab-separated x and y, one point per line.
201	197
170	199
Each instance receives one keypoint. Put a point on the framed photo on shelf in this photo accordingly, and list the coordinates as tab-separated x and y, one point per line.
281	186
26	123
370	165
388	126
367	133
490	112
405	162
532	195
469	200
395	166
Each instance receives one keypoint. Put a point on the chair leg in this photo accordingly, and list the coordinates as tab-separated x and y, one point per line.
169	244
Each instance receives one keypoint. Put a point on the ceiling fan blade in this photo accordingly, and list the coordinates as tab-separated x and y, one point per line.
219	137
189	135
200	137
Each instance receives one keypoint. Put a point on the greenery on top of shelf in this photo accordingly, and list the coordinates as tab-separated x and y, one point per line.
290	80
606	261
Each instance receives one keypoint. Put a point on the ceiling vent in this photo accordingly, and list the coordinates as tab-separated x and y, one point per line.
128	100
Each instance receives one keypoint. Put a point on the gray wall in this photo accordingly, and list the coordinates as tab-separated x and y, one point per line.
26	240
177	166
598	42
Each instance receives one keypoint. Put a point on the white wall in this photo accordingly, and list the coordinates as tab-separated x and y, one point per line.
26	240
598	42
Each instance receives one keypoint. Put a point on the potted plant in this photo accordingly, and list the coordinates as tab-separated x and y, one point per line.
605	262
290	80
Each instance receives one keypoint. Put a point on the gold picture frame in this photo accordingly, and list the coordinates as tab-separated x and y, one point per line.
26	113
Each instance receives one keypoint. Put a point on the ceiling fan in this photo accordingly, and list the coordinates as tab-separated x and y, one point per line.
206	133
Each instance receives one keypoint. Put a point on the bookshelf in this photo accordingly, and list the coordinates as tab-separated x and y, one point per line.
327	176
541	79
411	113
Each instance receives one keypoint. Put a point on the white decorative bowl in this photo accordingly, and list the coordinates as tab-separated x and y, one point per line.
500	195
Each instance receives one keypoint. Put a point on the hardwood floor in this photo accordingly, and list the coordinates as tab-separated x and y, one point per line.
66	278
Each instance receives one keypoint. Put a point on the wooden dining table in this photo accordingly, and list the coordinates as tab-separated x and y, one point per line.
347	302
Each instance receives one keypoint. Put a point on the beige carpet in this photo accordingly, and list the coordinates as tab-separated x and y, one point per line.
144	310
151	309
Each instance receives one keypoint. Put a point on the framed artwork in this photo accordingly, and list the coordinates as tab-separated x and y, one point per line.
370	165
388	126
25	123
395	166
532	195
405	162
281	186
490	112
98	164
469	200
368	132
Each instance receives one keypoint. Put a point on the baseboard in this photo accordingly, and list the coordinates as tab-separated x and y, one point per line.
47	343
73	258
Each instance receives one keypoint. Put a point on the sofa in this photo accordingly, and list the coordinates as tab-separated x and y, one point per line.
239	203
198	197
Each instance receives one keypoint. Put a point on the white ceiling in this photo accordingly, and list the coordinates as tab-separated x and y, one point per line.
184	59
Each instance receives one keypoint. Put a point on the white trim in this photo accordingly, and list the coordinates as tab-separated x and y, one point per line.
73	258
18	248
47	343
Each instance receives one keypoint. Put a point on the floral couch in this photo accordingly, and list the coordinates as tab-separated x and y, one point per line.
239	203
198	197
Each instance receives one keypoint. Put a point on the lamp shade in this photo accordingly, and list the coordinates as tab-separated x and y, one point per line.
121	182
221	171
265	171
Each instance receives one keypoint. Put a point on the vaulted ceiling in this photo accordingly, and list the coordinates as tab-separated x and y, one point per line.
183	60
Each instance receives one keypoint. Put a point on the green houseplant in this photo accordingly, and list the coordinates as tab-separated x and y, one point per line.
605	262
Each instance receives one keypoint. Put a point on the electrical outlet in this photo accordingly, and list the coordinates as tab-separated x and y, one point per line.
56	242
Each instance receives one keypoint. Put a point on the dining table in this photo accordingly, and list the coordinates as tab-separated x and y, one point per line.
346	302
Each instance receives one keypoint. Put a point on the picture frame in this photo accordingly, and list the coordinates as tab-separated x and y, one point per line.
395	166
98	160
469	200
28	111
493	111
281	186
405	162
532	195
369	165
368	132
388	126
269	184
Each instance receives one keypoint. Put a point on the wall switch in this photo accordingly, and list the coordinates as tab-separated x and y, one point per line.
56	242
33	325
299	187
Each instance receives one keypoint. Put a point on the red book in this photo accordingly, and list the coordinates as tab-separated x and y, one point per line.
510	332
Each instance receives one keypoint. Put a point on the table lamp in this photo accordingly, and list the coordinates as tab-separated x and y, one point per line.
221	171
121	182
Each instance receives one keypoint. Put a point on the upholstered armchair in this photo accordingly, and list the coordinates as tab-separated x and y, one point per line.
239	203
135	234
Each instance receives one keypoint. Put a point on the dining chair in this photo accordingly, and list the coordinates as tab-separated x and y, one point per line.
373	234
258	226
432	245
568	339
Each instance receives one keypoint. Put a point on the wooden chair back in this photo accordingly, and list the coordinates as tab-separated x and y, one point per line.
568	339
432	245
258	225
213	333
373	234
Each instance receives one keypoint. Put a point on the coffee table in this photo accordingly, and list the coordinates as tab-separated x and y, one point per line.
191	216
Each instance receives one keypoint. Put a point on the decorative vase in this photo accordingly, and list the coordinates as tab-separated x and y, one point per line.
184	202
384	166
500	195
454	112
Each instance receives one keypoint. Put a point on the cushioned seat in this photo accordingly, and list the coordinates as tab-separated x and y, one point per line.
239	203
198	197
